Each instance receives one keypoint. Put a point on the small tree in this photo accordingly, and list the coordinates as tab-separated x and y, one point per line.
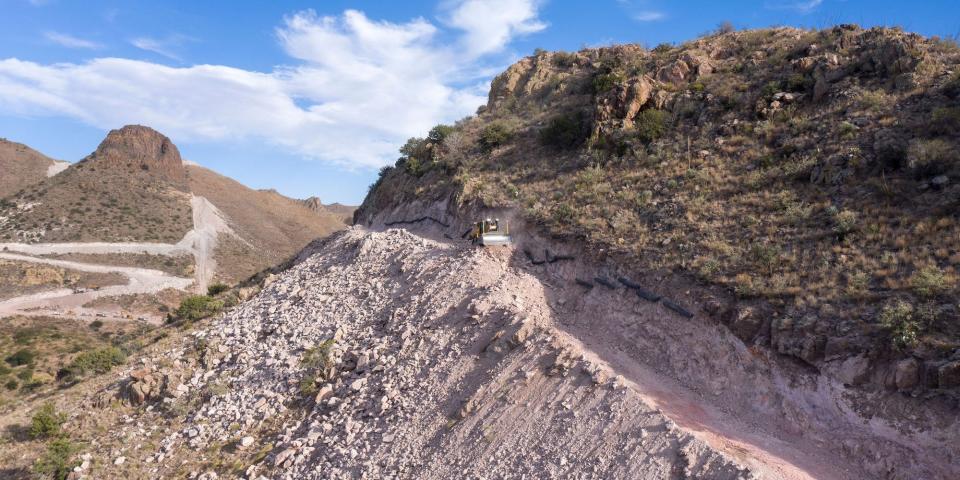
217	289
651	124
46	422
725	27
439	133
494	135
57	461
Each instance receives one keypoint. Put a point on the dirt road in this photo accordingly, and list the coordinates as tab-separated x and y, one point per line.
201	241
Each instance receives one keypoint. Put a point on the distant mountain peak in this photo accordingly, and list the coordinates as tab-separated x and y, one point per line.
140	147
313	203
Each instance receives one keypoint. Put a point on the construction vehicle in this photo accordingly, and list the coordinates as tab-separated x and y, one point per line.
489	232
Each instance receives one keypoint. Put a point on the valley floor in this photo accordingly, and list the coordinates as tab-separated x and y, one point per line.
200	242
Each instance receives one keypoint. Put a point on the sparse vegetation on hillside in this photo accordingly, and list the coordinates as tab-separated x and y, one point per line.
196	307
811	172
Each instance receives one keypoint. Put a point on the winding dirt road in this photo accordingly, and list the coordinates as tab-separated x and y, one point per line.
201	242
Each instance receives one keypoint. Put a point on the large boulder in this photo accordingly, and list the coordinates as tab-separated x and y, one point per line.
948	375
906	374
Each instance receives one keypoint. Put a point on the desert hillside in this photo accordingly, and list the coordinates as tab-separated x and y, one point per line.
269	227
132	188
804	182
134	209
23	166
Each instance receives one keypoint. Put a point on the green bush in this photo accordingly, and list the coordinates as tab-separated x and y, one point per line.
844	222
945	120
770	88
952	87
46	422
564	59
662	48
929	282
217	289
58	461
319	364
604	82
439	133
26	374
799	83
566	131
21	357
98	361
651	124
494	135
96	324
196	307
931	157
902	321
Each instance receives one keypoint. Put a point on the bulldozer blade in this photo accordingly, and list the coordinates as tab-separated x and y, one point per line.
496	239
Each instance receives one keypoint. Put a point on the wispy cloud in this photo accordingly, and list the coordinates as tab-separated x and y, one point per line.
39	3
804	6
166	47
648	16
354	90
70	41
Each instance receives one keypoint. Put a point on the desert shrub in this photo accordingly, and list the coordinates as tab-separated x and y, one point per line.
21	357
58	461
931	157
604	82
196	307
764	256
857	283
651	124
662	48
494	135
770	88
844	222
319	364
217	289
799	83
26	374
725	27
46	422
11	384
901	319
96	324
564	59
929	282
945	120
952	87
101	360
566	131
4	369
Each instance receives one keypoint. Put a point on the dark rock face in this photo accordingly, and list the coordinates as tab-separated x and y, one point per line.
137	147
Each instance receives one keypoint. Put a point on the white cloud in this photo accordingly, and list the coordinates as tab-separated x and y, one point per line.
805	6
490	24
648	16
69	41
357	90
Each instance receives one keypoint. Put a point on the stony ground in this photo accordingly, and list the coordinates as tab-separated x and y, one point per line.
449	361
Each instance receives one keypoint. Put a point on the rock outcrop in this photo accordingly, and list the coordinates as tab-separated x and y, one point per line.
137	147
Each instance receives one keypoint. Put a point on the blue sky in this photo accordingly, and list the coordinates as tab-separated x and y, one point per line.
311	98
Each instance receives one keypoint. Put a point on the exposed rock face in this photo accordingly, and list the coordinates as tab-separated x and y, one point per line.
140	147
313	203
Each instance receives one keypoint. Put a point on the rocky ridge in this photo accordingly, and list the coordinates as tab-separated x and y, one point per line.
392	355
